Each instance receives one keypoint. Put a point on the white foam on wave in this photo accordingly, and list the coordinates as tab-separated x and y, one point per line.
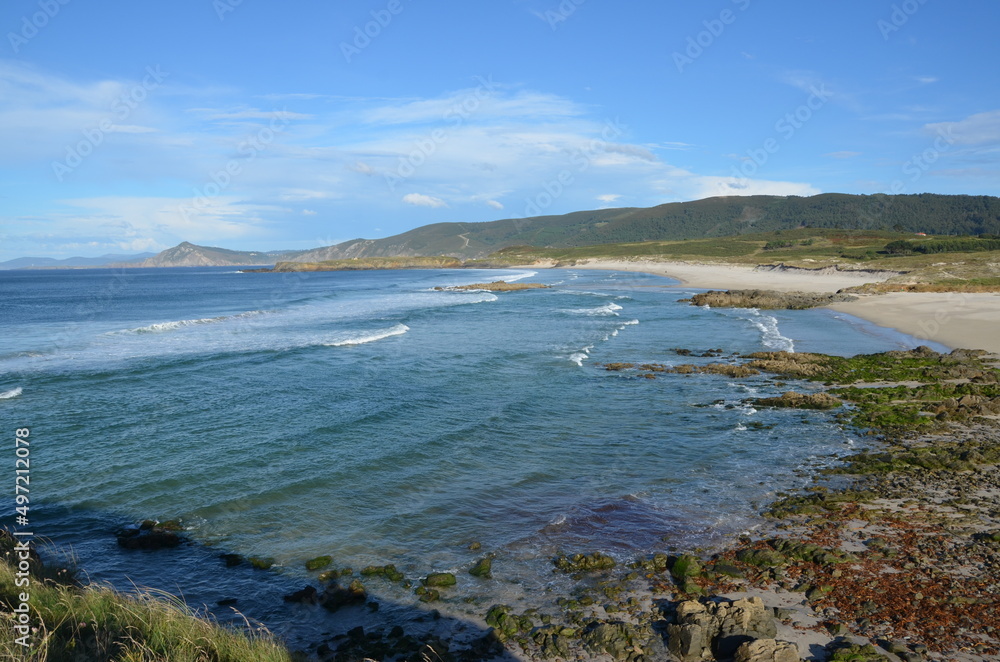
770	334
581	356
619	329
166	327
606	310
521	276
13	393
372	336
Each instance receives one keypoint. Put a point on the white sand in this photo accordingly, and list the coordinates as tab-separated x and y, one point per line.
971	321
730	276
954	319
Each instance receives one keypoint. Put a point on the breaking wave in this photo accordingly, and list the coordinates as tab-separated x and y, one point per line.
166	327
13	393
373	336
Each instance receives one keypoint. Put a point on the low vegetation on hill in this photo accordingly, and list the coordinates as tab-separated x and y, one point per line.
371	264
971	262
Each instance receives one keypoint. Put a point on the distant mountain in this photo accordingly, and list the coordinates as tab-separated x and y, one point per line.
189	255
70	262
712	217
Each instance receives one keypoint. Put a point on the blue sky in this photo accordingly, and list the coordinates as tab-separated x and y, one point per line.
254	124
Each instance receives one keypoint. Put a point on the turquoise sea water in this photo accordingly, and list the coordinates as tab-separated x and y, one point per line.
369	417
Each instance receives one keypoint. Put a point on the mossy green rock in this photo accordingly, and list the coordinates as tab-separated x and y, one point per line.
728	570
388	571
762	558
500	618
619	640
483	568
847	652
685	566
440	579
329	575
795	400
584	563
551	642
659	563
318	562
261	563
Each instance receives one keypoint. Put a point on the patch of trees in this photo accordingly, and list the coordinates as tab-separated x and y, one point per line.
960	245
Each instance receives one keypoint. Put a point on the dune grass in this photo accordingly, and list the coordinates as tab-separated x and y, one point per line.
71	623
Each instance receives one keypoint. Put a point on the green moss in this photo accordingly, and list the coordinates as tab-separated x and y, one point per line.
685	566
847	652
578	563
483	568
261	563
439	579
318	563
816	503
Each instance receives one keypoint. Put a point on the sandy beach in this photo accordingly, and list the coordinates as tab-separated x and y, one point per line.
970	321
734	276
955	319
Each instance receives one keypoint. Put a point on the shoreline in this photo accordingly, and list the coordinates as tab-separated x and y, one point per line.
954	319
782	589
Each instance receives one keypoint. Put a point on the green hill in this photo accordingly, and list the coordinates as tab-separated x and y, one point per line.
712	217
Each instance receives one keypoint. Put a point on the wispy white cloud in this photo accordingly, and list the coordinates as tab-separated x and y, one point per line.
299	195
487	101
421	200
362	167
609	198
248	114
978	129
492	145
707	187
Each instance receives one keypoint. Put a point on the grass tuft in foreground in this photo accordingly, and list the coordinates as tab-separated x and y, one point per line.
70	623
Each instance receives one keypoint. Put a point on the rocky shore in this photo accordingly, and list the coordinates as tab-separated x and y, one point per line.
495	286
767	299
894	554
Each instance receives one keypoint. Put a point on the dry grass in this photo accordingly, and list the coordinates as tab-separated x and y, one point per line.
97	624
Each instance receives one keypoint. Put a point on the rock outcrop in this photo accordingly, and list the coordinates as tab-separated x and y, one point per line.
767	650
496	286
800	401
767	299
716	630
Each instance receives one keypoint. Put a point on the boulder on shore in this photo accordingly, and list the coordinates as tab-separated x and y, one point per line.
716	630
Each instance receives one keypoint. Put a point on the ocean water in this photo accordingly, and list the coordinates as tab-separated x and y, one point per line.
372	418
